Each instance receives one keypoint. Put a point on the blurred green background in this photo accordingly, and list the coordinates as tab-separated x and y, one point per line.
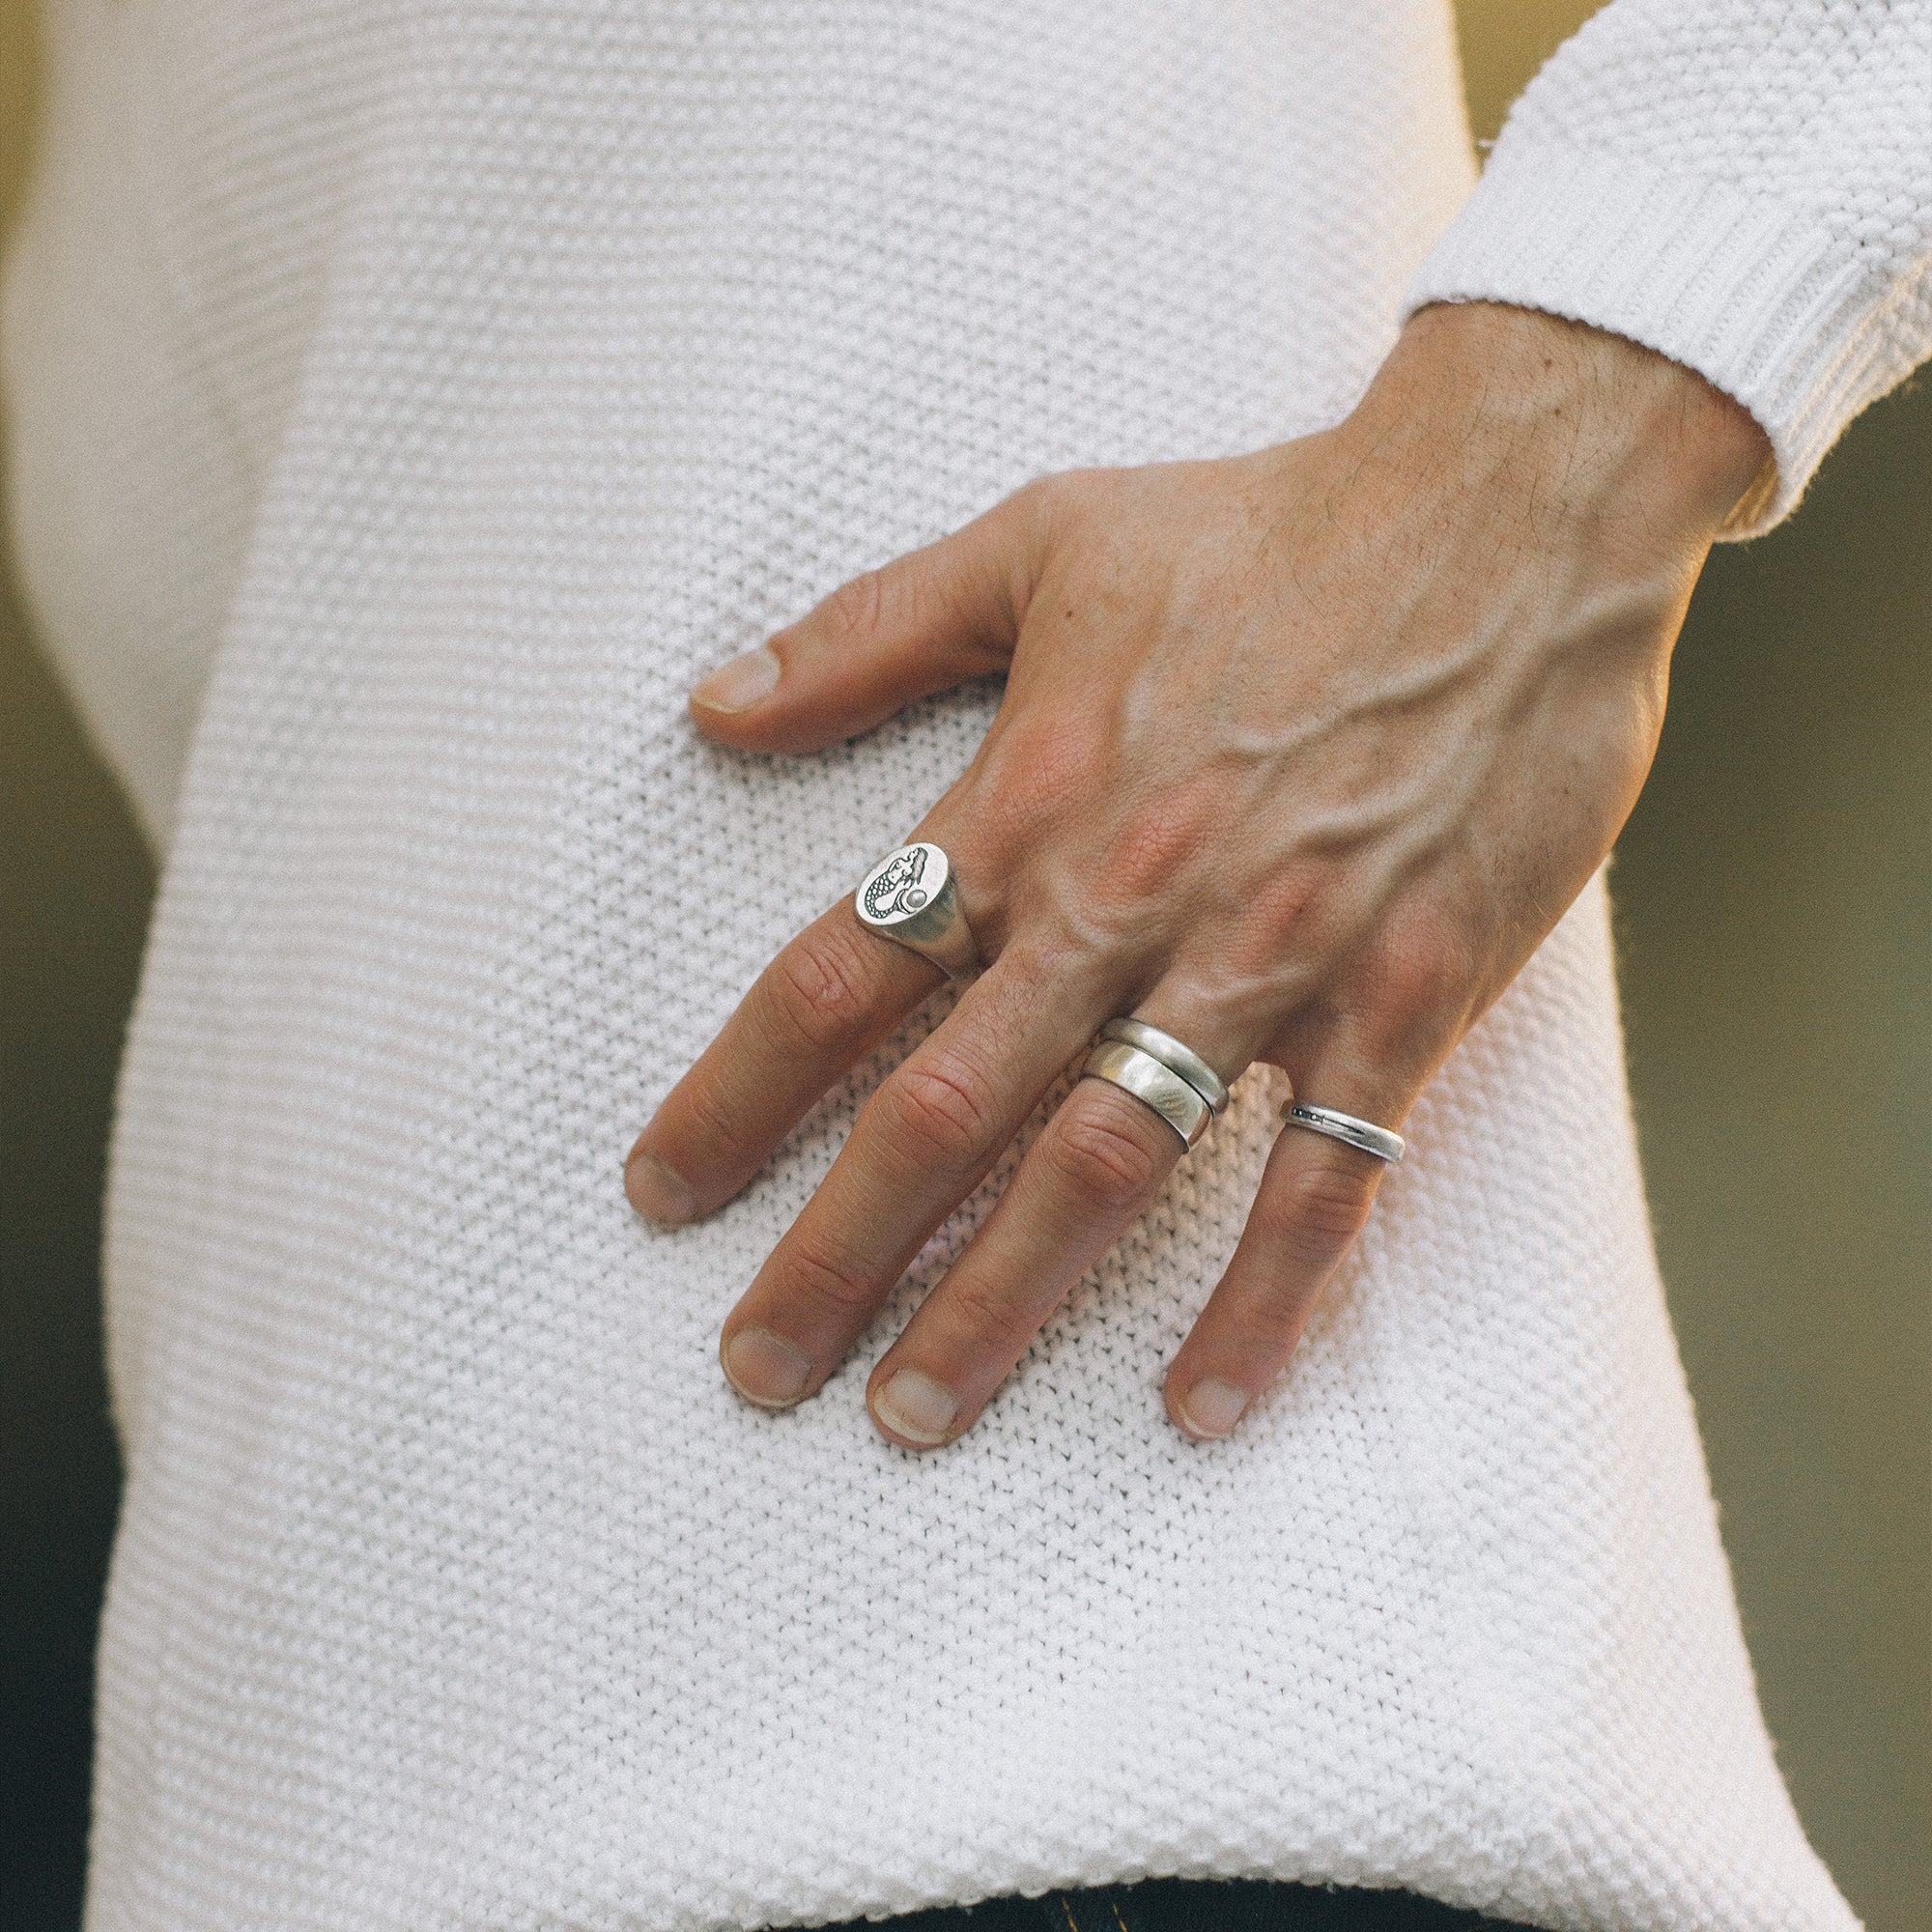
1773	905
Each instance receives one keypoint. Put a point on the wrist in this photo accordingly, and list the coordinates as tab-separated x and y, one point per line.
1572	417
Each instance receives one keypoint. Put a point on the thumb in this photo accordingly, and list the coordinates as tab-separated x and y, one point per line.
925	623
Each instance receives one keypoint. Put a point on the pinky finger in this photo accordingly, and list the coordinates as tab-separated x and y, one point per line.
1314	1200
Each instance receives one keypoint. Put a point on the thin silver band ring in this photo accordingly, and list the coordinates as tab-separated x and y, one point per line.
1381	1141
1153	1082
1175	1054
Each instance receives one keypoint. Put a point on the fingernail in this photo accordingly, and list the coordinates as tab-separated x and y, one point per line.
657	1193
765	1368
1212	1407
740	684
914	1406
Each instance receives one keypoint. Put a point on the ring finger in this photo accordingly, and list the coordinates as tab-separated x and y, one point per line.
923	1142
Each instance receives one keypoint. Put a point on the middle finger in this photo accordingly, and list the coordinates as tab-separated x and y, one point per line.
923	1142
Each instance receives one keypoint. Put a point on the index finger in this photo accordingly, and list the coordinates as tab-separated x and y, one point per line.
825	1000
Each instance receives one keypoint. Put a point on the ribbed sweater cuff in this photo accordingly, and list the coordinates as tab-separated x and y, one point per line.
1760	299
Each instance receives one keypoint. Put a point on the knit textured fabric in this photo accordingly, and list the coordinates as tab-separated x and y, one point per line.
412	400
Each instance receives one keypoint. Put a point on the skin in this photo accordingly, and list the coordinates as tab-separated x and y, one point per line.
1419	658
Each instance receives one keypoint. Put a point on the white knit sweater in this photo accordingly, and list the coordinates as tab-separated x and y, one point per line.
412	397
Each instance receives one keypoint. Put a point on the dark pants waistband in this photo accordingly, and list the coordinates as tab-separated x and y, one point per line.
1203	1905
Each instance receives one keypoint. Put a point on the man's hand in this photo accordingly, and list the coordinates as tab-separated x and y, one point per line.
1301	754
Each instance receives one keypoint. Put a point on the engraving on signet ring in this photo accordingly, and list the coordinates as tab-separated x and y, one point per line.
910	898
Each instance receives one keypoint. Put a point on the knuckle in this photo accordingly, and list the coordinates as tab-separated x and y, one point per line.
1160	841
711	1127
1327	1205
814	988
1420	978
1033	508
1039	769
1042	492
1045	498
1094	485
858	608
942	1106
828	1281
1420	969
979	1311
1105	1159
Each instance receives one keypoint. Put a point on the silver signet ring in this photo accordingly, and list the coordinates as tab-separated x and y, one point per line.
910	898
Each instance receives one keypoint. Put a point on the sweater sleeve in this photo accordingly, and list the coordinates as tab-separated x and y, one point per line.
1743	185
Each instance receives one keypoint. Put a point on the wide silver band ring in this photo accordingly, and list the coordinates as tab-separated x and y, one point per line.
909	898
1381	1141
1172	1053
1152	1082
